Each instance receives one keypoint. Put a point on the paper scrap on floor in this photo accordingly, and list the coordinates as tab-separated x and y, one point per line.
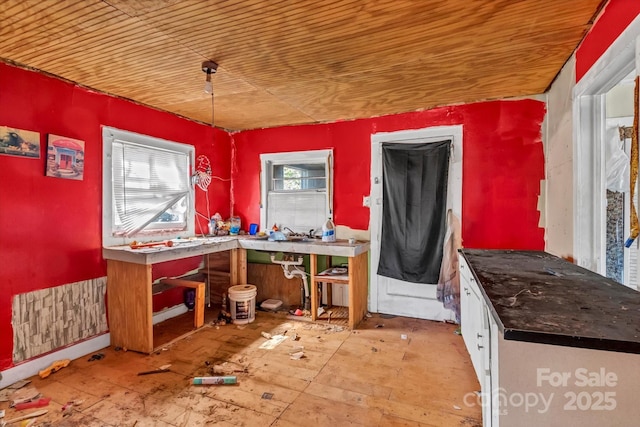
273	342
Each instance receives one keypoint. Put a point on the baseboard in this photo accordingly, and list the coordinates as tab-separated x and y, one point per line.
170	312
81	349
33	366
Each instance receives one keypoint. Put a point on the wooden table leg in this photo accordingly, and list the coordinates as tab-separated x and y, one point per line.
238	266
313	291
358	288
130	306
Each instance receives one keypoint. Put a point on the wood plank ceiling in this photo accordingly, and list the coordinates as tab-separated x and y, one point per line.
290	62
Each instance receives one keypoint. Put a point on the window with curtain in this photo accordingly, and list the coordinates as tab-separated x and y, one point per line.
147	191
296	190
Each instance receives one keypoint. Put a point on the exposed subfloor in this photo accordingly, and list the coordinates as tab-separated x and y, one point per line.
390	371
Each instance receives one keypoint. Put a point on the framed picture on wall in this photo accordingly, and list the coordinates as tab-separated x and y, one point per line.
19	142
65	157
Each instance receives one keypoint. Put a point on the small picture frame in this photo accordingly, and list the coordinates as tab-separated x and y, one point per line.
65	157
19	142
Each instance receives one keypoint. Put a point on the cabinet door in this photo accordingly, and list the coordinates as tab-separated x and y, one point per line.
479	331
466	312
471	317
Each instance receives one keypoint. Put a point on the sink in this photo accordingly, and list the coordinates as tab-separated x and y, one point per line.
298	238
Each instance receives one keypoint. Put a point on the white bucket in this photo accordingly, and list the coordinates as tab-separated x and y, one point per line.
242	302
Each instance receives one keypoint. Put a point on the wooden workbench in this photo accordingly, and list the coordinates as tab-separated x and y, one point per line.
129	278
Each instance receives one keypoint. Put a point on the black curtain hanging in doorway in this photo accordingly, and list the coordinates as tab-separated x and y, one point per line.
414	210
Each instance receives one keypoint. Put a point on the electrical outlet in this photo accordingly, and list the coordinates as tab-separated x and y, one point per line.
366	201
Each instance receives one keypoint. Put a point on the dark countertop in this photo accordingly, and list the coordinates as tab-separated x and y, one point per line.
538	297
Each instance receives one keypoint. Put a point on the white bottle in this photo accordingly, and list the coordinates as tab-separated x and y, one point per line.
328	231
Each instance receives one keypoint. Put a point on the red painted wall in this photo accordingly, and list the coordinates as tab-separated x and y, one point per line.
615	17
502	167
50	228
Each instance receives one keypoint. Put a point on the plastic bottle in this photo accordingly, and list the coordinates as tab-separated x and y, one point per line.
234	225
212	226
328	231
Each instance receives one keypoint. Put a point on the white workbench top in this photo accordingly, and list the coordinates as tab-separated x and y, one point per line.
189	247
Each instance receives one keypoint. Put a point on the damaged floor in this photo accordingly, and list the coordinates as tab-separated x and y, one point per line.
389	372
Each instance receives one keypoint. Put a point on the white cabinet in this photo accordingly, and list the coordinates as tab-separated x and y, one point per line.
534	363
475	325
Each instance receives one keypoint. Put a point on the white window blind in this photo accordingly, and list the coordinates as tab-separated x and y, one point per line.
147	187
300	211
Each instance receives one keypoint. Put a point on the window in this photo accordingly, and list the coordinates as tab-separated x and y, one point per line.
296	190
147	190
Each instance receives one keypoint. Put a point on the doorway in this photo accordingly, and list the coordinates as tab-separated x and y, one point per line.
601	216
621	262
393	296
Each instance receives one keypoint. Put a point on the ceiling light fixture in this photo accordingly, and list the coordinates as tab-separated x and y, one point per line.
209	67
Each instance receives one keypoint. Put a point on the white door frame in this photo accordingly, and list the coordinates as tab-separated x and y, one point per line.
589	195
454	195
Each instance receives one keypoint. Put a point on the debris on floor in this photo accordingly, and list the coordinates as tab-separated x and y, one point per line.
228	379
55	367
272	342
67	408
267	396
24	395
403	336
5	393
25	417
224	318
97	356
36	403
266	335
163	368
297	355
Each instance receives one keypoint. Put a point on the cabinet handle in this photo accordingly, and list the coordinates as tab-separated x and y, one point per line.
479	335
480	346
466	291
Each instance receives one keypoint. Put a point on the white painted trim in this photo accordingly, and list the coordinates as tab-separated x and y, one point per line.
613	65
310	156
589	203
454	196
81	349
